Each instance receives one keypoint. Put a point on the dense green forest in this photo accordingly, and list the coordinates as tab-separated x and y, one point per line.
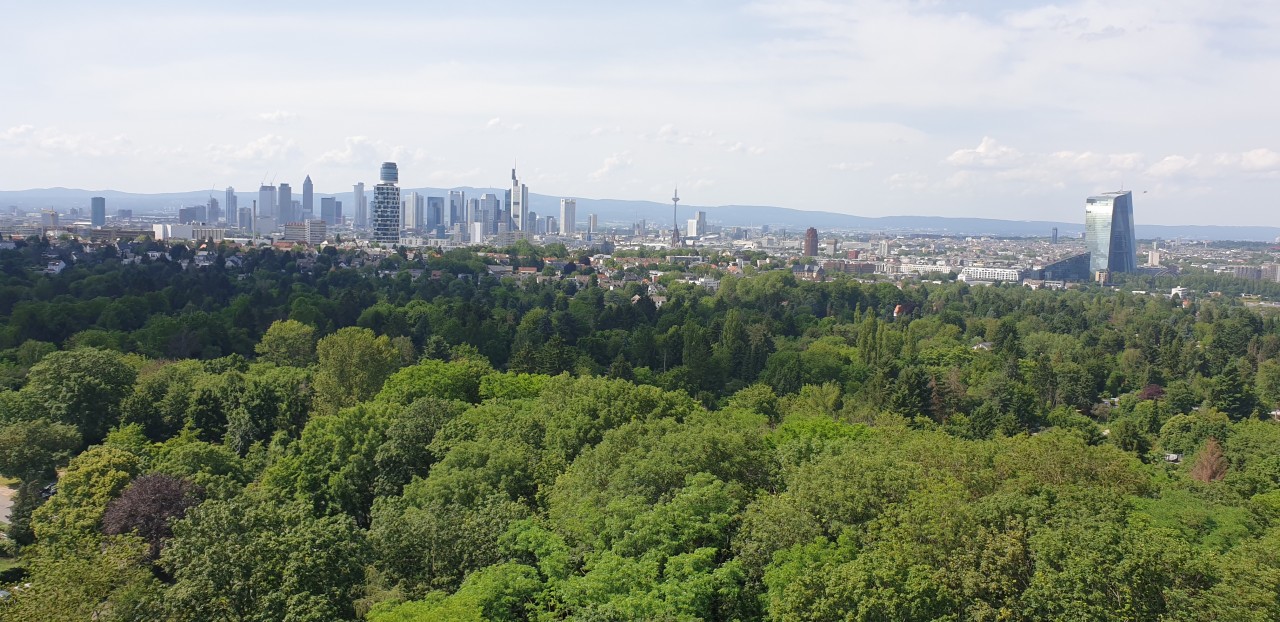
318	438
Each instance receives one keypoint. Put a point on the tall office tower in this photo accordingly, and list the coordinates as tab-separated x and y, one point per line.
518	204
212	213
412	208
1109	235
386	205
266	203
232	207
568	216
531	222
811	242
592	223
49	218
474	216
361	215
337	212
458	208
307	199
553	225
244	218
490	212
675	220
284	205
435	212
697	225
329	210
98	211
1054	239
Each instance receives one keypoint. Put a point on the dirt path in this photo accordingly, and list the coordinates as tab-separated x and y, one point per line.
6	501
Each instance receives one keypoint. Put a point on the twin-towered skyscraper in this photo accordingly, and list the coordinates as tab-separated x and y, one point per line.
1108	233
568	216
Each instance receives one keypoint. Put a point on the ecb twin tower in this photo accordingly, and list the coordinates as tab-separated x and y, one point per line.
1108	233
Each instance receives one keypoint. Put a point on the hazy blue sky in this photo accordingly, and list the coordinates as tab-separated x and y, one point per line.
935	107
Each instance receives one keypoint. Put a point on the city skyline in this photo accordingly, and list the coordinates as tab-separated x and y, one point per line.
993	110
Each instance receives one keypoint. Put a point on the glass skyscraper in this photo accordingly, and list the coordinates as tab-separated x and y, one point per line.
98	211
518	204
386	206
1108	232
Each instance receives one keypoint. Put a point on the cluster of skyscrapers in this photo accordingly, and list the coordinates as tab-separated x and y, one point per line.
476	219
390	216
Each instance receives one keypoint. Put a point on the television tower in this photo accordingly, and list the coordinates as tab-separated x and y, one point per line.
675	220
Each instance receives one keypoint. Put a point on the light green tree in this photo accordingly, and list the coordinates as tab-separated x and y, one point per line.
352	364
288	342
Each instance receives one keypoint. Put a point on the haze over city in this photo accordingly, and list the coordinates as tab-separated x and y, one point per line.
985	109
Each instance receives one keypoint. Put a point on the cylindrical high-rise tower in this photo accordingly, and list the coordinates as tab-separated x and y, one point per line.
386	206
389	173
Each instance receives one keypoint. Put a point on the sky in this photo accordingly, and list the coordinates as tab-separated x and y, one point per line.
1009	109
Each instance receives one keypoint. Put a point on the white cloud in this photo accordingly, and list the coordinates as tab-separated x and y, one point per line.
17	133
999	169
497	124
365	154
850	167
410	155
271	149
1174	165
44	142
912	180
615	162
741	147
669	134
988	154
1260	160
356	150
278	117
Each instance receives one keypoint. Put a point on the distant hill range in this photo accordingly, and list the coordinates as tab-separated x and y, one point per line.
615	211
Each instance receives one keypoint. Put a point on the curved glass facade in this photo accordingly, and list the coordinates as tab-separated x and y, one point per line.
389	173
1108	232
